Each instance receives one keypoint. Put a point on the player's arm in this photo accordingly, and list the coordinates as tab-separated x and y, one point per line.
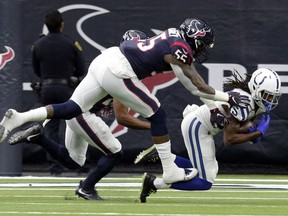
124	118
193	82
236	132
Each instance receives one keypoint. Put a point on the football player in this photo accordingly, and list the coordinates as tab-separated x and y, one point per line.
263	90
118	71
88	129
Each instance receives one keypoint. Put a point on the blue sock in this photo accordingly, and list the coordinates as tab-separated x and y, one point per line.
58	152
183	162
194	184
67	110
104	165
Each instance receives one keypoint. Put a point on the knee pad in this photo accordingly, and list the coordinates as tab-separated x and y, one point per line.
158	123
67	110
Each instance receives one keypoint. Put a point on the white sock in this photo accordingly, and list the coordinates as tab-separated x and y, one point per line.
160	184
38	114
167	160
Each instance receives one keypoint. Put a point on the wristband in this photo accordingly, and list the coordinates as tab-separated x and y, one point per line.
221	96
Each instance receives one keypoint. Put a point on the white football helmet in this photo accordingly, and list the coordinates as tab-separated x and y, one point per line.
265	88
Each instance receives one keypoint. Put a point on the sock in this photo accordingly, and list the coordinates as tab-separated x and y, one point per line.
167	159
104	165
58	152
182	162
19	119
160	184
38	114
194	184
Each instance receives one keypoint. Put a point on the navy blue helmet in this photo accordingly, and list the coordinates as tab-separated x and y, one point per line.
134	35
199	35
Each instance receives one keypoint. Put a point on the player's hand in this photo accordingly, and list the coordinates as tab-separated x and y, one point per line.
107	110
218	119
235	99
251	130
263	125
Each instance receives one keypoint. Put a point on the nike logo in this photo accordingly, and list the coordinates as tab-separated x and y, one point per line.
6	57
32	136
82	192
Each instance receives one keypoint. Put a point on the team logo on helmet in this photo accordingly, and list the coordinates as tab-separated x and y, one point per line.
6	57
194	31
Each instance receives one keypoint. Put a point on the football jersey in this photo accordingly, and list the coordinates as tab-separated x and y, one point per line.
240	113
147	56
243	113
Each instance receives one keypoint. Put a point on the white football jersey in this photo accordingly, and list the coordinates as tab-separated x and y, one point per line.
240	113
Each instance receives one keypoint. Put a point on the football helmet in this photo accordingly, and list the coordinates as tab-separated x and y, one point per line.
199	36
134	35
265	88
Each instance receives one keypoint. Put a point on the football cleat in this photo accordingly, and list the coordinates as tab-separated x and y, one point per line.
8	123
87	194
147	187
179	174
148	155
29	135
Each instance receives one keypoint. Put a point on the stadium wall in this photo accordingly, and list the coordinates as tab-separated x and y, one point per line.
249	34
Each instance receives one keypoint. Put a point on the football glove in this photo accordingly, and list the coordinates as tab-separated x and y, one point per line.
217	118
251	130
235	99
263	125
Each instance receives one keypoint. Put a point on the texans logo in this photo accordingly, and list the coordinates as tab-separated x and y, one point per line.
6	57
153	83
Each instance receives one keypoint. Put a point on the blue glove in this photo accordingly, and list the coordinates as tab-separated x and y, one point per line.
263	125
217	119
251	130
267	106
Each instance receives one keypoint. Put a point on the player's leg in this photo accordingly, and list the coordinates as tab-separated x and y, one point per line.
34	135
135	95
151	184
95	132
200	147
87	93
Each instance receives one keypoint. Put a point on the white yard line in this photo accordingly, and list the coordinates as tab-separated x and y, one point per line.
138	185
136	179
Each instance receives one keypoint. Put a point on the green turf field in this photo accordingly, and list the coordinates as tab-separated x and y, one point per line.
231	195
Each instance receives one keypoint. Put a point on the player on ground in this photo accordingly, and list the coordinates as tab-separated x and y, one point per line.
263	89
118	71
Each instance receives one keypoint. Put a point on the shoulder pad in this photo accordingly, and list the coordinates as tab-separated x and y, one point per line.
180	50
173	32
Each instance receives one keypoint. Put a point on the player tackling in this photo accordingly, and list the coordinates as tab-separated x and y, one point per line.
118	71
263	89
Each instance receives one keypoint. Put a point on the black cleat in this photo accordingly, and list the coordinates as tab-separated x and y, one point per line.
149	155
147	187
87	194
29	135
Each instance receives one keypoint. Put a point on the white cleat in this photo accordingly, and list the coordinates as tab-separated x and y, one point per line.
8	123
180	175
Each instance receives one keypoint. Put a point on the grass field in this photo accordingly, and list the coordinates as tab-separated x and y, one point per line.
231	195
